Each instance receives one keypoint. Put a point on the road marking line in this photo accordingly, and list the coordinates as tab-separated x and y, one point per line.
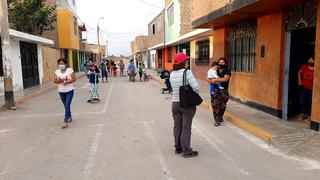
108	98
98	125
215	146
93	152
5	130
307	164
160	155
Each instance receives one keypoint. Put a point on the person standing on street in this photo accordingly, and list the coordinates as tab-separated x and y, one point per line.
131	71
182	116
140	71
104	72
219	100
65	77
305	81
121	66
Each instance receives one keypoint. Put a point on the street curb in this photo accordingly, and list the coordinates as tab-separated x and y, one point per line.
241	123
235	120
34	95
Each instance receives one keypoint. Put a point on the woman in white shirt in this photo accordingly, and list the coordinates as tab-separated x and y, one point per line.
65	77
182	116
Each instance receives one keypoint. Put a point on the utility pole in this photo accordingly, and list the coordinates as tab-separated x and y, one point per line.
107	48
98	36
7	65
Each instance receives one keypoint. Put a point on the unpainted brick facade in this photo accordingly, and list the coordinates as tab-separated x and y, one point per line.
202	8
186	16
140	44
158	37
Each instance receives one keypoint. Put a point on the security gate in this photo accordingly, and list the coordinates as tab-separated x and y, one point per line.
29	62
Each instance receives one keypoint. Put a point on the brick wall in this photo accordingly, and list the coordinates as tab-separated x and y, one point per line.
53	35
202	8
186	16
158	37
141	43
50	57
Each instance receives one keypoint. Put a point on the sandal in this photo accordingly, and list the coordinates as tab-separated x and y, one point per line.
65	126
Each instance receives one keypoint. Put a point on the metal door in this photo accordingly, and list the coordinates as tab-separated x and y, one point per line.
29	62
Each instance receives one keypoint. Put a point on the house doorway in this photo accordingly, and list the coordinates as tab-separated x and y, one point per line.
160	59
302	48
75	61
29	62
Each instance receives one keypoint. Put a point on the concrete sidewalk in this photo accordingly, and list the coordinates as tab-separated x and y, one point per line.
291	137
29	93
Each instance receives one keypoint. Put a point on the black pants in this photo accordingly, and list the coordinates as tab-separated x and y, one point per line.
305	100
219	104
182	126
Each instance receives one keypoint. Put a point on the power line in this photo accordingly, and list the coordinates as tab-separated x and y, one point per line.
149	4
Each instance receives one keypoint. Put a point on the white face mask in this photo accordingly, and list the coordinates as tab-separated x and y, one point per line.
62	67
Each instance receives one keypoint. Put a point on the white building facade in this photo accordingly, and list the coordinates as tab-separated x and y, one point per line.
25	54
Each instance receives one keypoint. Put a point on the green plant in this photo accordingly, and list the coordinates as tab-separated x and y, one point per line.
31	16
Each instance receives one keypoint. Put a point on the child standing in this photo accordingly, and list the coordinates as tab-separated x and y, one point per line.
94	75
140	71
213	74
145	75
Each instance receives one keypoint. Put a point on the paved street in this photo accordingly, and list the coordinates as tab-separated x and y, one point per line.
128	135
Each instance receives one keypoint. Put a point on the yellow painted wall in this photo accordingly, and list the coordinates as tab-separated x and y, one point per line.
193	47
70	59
67	37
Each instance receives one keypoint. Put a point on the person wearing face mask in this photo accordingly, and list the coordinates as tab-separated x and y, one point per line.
219	100
305	81
65	77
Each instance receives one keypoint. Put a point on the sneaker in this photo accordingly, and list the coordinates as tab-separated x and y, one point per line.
216	124
190	154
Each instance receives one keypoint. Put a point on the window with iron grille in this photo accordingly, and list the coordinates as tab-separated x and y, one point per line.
170	55
242	43
203	52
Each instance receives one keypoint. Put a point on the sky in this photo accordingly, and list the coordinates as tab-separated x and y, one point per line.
123	20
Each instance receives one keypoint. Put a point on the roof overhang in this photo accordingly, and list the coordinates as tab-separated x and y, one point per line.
158	46
193	35
239	10
30	38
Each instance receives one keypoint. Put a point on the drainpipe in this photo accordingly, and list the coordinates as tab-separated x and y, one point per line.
7	63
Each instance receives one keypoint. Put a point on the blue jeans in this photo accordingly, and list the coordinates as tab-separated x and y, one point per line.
305	100
66	99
